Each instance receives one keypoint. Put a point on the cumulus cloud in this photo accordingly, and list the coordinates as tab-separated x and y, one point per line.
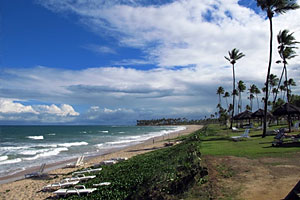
186	39
10	110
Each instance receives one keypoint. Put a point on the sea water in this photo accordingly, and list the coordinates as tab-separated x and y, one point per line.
22	147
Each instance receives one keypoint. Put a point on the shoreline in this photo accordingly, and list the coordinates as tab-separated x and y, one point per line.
20	173
13	188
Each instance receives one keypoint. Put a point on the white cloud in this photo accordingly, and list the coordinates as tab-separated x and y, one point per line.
9	106
63	110
10	110
100	49
190	33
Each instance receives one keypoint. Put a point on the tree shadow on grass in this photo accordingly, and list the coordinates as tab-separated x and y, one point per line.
215	139
286	145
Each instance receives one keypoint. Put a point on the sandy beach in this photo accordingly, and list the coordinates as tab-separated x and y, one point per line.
31	188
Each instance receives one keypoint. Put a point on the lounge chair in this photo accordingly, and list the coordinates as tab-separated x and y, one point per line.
120	158
278	139
61	184
78	163
88	170
235	129
38	173
244	135
296	126
101	184
78	189
80	177
106	162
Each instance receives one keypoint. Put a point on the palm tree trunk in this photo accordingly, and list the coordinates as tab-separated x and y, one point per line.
279	82
287	85
267	81
233	96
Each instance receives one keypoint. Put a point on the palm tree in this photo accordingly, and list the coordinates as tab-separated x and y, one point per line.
288	85
251	97
220	91
257	92
241	88
272	7
234	55
226	95
282	88
286	51
273	81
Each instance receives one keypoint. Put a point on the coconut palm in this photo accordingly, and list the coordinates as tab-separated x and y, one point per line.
241	89
281	88
251	97
286	51
273	81
234	55
220	91
257	92
226	95
288	85
272	7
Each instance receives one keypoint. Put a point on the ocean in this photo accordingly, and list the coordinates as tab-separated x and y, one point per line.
22	147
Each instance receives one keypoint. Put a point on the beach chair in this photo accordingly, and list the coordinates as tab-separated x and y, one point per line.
106	162
278	139
235	129
244	135
101	184
88	170
78	163
296	126
120	158
80	177
38	173
80	190
61	184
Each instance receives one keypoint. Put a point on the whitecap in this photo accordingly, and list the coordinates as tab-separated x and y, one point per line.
52	134
73	144
40	137
2	158
11	161
104	131
52	152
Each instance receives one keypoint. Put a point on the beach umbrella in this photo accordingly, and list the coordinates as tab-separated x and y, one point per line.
260	114
287	109
243	115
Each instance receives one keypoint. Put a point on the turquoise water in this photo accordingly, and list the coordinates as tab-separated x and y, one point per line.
22	147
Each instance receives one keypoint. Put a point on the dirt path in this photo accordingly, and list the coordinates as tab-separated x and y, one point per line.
252	179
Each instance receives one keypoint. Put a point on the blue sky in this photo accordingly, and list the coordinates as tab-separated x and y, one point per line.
112	62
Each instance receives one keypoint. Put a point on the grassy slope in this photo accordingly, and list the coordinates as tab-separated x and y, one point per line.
161	174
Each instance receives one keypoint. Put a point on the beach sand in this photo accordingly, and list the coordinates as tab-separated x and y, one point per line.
31	188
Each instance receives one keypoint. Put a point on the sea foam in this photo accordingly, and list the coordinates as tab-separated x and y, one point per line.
40	137
11	161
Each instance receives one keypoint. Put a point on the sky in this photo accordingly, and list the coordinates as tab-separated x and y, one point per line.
113	62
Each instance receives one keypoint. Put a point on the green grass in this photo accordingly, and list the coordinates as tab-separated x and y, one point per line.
161	174
216	141
176	172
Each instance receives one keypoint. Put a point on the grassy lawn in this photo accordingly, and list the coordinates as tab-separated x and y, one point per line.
215	140
216	144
